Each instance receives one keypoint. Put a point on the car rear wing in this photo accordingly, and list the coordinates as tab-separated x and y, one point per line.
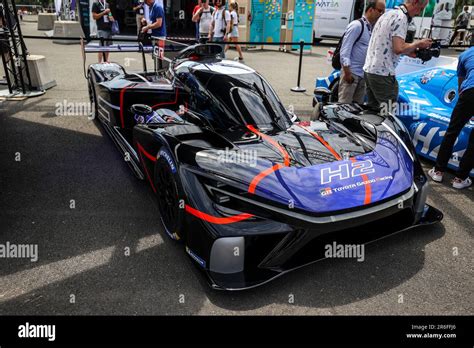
162	50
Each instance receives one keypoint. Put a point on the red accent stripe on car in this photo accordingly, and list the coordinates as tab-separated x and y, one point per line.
368	188
324	142
217	220
147	154
141	150
169	103
122	92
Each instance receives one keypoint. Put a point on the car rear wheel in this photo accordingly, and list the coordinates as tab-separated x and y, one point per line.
92	98
170	195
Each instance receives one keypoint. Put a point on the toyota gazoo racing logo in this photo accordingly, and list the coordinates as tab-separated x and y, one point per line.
345	171
325	191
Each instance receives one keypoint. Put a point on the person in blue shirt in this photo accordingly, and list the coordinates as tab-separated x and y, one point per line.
462	114
157	19
354	51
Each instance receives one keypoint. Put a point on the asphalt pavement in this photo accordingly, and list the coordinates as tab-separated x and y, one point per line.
64	187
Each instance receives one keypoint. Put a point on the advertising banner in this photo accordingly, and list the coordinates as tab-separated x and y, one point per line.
303	22
272	20
256	25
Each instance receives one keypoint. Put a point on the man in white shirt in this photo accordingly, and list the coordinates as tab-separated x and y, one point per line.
386	45
220	25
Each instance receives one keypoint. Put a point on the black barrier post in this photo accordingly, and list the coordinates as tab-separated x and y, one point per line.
298	88
142	49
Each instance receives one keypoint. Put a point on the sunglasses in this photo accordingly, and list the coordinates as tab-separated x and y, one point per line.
380	10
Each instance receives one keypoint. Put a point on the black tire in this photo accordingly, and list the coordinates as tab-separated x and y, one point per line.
334	96
170	196
92	98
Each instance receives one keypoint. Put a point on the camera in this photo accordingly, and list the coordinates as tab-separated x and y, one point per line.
411	33
425	54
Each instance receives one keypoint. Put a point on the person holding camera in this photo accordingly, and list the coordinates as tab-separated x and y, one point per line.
203	18
461	115
220	25
103	17
385	47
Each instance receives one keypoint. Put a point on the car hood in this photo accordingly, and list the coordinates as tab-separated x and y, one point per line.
315	180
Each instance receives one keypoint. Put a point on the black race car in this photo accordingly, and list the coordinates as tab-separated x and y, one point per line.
250	190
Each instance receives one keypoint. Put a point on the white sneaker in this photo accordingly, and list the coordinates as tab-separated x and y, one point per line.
460	184
436	175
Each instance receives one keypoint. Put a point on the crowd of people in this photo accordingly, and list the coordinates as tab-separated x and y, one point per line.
369	53
218	23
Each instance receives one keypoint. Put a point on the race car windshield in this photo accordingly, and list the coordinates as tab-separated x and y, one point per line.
241	99
251	108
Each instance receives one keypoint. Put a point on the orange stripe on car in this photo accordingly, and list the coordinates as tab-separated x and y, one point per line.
368	188
286	159
324	142
255	181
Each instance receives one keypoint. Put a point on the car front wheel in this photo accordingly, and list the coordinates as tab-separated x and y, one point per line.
170	195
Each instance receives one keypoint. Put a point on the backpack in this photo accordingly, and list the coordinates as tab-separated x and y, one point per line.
336	58
224	21
211	11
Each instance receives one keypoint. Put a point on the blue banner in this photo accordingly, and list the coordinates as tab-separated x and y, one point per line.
272	20
256	25
303	22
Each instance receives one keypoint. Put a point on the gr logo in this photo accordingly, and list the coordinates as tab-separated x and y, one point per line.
346	170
